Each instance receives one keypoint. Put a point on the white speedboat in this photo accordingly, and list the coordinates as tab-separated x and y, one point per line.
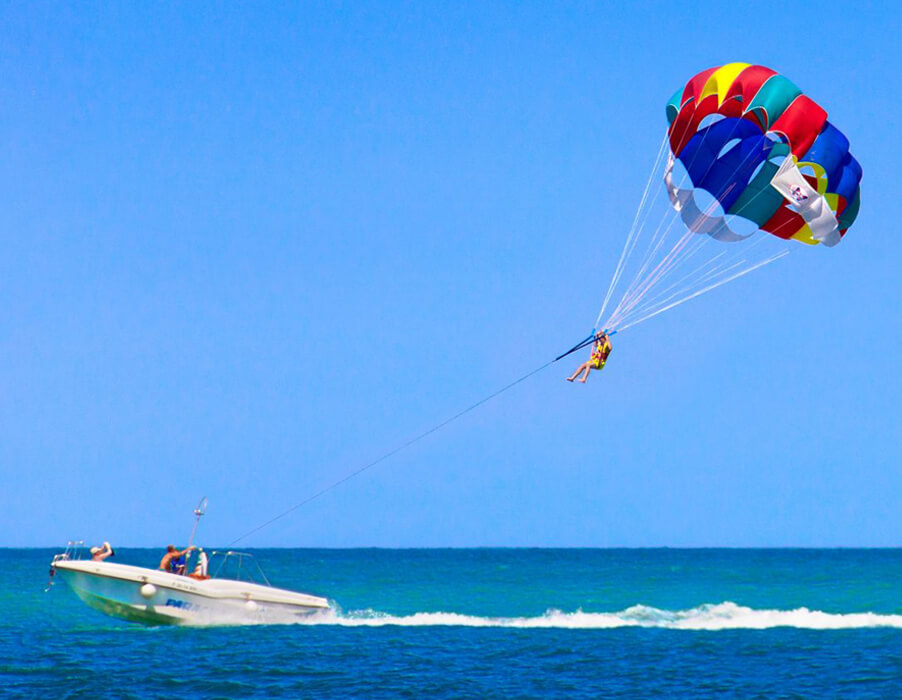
157	597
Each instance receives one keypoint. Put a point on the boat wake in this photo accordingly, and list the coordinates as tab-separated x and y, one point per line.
721	616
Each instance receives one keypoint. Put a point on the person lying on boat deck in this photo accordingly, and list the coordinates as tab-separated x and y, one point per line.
169	562
101	553
600	352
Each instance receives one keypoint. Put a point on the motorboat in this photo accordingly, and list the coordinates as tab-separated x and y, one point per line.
157	597
238	593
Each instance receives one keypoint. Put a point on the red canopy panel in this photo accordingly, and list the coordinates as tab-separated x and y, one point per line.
801	123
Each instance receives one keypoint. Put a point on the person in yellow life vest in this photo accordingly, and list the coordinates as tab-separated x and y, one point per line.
600	351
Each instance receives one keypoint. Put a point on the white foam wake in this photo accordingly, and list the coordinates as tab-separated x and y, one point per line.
722	616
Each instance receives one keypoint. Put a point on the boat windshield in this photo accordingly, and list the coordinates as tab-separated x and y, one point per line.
238	566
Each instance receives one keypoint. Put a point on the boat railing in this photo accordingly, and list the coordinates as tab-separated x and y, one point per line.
239	566
74	551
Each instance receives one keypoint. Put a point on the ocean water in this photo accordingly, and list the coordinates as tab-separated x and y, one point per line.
488	623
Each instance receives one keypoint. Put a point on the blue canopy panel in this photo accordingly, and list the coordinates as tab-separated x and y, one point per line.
829	151
726	174
849	179
847	218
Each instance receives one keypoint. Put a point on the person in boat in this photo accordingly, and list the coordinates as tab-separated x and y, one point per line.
180	564
200	571
174	559
101	553
600	351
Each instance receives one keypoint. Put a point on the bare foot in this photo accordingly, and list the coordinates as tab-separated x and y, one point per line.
583	380
569	379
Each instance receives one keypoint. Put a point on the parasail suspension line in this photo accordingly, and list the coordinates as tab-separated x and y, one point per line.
409	443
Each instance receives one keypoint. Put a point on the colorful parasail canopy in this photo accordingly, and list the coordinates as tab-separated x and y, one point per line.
764	152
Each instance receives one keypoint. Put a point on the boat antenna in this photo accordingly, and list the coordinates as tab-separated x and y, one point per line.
199	511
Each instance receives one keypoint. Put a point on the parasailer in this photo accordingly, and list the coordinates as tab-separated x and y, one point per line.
747	162
600	351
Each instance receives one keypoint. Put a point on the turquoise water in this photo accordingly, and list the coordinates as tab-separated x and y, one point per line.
489	623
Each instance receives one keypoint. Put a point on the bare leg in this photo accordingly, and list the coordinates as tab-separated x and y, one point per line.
579	369
588	366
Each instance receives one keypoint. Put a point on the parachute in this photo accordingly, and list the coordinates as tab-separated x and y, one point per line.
749	162
734	129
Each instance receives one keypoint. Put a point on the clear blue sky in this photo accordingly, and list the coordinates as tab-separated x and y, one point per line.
247	248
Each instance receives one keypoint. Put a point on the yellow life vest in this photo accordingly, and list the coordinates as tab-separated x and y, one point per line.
600	353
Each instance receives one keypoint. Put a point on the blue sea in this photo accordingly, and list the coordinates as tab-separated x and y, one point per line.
488	623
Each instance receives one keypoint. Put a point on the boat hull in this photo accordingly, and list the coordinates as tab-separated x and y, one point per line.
155	597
